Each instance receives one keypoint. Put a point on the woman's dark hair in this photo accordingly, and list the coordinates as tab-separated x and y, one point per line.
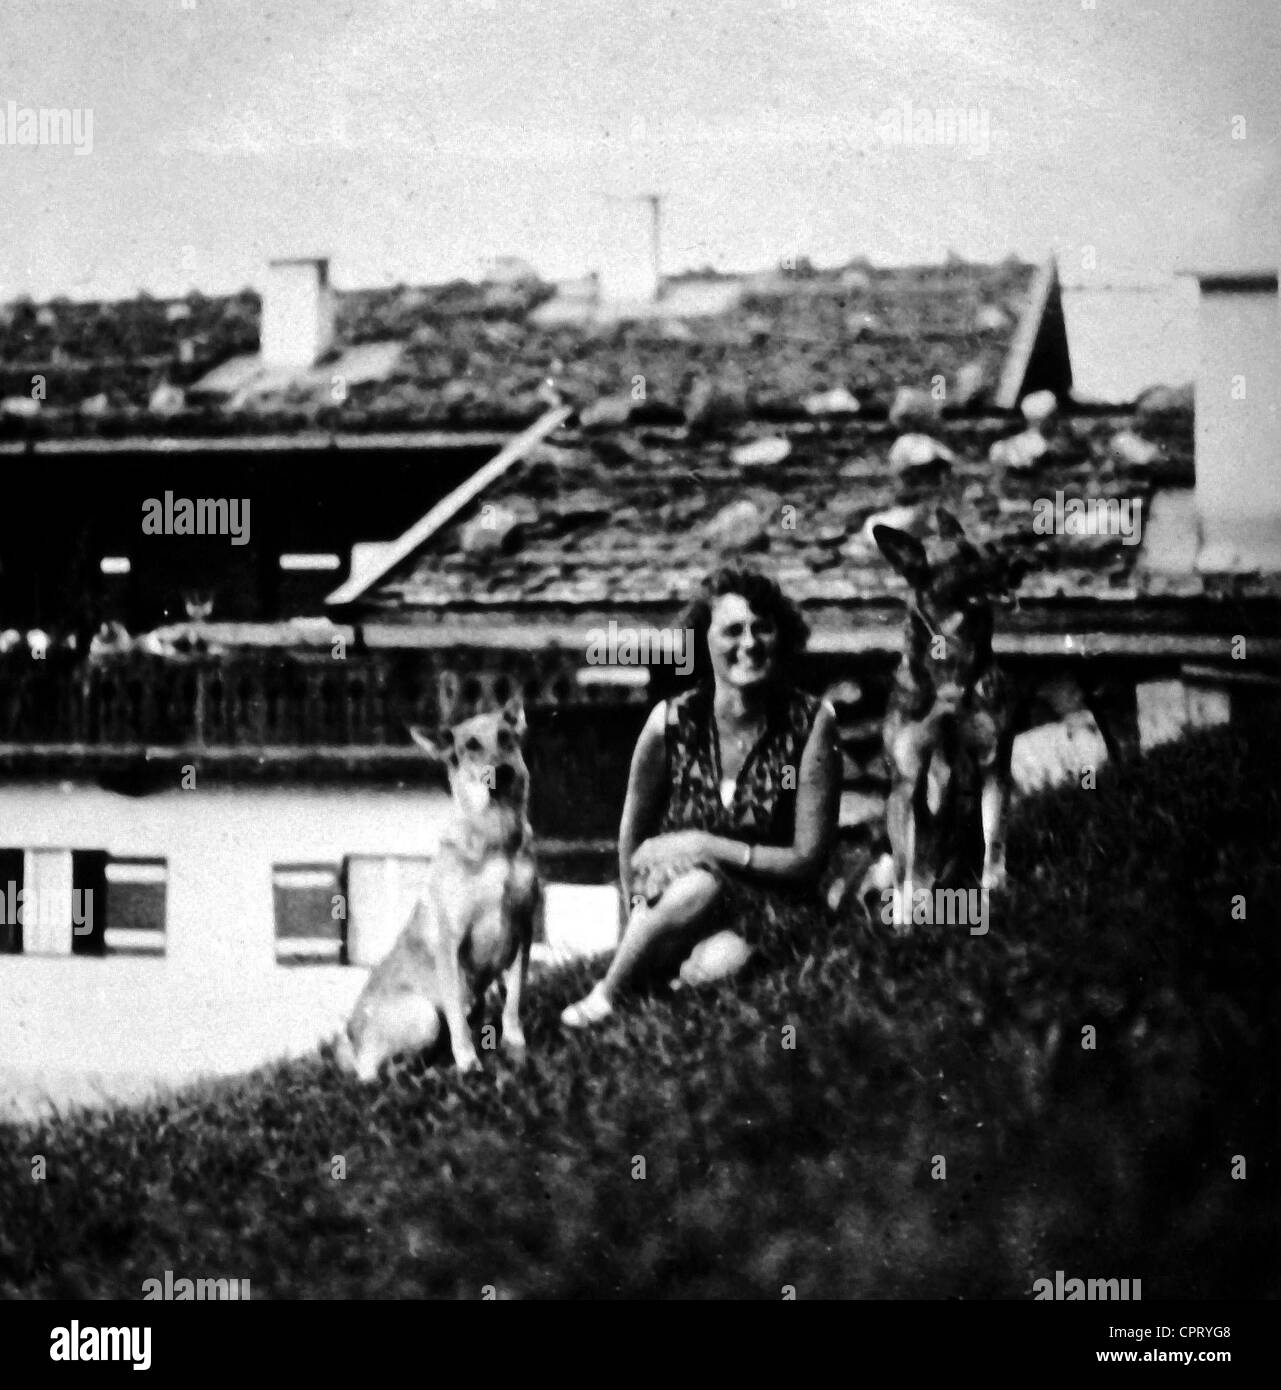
765	598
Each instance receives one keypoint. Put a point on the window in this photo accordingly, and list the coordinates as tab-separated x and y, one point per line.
61	902
11	886
134	923
311	916
322	563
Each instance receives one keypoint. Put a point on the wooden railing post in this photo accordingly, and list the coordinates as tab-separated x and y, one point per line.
198	715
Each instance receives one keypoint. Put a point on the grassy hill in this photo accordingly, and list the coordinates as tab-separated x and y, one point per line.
767	1166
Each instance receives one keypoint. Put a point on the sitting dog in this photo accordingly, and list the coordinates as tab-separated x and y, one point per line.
949	729
476	920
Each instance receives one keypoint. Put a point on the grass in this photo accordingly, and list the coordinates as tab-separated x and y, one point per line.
766	1166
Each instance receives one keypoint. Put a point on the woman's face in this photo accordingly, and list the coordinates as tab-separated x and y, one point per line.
743	643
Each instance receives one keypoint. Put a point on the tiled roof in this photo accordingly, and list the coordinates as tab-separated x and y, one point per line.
632	519
482	354
786	338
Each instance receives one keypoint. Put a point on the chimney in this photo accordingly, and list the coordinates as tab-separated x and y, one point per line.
297	312
629	251
1238	418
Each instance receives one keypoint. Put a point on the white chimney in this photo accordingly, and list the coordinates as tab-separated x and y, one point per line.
628	254
297	312
1238	419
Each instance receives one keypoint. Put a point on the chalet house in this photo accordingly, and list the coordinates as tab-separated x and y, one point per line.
251	800
614	522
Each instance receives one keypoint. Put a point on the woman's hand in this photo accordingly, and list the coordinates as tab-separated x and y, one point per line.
675	847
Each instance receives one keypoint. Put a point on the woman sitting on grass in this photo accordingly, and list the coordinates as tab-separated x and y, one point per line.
733	796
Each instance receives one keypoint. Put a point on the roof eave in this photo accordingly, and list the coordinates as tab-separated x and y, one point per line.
449	506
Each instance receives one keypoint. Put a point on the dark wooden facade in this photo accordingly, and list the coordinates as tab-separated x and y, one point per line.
67	508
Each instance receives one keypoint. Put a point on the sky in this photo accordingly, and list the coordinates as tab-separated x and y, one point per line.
410	140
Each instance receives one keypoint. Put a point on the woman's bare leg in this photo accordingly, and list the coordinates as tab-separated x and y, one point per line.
684	901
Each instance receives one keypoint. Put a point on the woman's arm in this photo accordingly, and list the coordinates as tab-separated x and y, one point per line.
818	800
646	790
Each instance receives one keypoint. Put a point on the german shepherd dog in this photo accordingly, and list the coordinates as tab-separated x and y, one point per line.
949	729
476	920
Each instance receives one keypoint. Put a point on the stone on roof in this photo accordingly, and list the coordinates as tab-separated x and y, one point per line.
919	451
1039	408
761	453
913	410
838	401
1020	451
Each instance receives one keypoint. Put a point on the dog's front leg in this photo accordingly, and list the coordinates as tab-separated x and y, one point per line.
455	1009
992	807
455	1001
529	924
901	824
514	983
908	751
907	888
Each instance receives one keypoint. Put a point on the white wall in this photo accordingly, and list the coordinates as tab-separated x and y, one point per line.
118	1018
1123	338
82	1029
217	1002
221	845
297	315
1238	430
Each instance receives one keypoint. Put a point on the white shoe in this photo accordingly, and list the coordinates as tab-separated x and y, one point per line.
594	1008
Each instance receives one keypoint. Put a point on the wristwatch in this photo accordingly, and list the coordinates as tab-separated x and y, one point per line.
747	858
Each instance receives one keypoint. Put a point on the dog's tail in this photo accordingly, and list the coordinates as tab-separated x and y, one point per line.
344	1053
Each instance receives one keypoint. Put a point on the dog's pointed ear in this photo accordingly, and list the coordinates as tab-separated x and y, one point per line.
514	714
905	553
438	749
949	528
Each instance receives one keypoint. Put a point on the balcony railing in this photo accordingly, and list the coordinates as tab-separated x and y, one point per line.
132	721
249	700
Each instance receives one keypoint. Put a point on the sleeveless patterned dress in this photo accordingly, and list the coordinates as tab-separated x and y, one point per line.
762	810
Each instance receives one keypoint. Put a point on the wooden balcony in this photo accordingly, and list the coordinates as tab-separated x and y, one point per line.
131	722
278	699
